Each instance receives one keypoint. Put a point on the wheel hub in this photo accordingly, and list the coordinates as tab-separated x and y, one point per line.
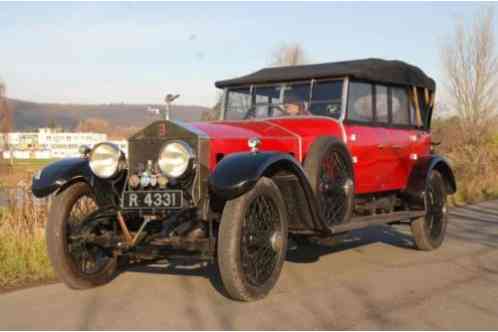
276	241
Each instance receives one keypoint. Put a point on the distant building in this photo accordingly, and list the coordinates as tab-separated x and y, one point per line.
48	143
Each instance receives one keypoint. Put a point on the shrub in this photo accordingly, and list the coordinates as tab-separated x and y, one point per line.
475	165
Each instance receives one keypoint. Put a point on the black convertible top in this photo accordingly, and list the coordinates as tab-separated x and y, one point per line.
376	70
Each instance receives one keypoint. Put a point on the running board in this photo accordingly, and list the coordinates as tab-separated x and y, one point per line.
378	219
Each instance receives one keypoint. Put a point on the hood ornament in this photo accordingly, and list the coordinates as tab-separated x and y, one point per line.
168	100
254	143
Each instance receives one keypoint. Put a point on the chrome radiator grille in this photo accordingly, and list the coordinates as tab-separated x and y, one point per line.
146	145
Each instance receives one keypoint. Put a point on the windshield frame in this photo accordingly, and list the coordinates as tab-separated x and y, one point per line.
252	88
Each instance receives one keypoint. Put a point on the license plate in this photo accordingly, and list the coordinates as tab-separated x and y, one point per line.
171	199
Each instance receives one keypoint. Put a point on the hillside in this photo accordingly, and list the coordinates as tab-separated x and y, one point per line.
29	115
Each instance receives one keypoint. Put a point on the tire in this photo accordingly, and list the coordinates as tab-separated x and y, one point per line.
429	231
63	263
334	195
236	269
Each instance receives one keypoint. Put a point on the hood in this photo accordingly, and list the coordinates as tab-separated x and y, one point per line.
231	136
211	140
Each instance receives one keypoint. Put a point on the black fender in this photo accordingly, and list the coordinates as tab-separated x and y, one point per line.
57	174
419	176
238	173
60	174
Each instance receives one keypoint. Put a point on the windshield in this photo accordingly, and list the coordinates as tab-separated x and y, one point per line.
322	98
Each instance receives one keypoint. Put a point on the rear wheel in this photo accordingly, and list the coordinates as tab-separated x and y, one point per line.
70	224
429	231
252	241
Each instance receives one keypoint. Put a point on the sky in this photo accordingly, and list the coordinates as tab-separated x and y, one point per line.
137	52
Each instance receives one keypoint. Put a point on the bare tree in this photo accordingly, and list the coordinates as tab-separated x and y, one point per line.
214	112
5	119
470	64
289	55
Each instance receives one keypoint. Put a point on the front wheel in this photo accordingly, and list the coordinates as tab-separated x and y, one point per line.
252	241
76	261
429	231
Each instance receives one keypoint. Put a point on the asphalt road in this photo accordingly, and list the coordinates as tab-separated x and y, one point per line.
372	280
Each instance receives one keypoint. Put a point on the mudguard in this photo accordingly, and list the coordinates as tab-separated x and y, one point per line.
61	174
418	178
238	173
57	174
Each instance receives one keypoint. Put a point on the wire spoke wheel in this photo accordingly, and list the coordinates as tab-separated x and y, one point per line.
429	230
436	210
260	240
78	235
252	241
80	229
332	196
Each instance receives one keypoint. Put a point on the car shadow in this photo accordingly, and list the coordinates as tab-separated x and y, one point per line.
184	268
307	253
388	235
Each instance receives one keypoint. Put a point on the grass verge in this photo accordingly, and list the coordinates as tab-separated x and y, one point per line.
23	252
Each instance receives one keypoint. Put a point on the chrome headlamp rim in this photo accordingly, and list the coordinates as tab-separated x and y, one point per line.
115	168
190	162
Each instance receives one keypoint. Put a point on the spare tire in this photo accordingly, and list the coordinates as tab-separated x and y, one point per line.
329	168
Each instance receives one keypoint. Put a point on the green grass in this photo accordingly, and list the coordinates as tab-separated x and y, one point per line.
31	163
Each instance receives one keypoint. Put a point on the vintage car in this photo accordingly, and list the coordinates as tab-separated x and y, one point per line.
299	153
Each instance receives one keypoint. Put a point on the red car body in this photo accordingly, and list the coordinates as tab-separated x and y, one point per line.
383	157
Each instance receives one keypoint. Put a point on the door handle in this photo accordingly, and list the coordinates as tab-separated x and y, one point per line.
381	146
397	146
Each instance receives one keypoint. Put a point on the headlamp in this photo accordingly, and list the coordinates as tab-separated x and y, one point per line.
175	159
104	160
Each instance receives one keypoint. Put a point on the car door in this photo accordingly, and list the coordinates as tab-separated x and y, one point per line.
401	135
367	141
367	145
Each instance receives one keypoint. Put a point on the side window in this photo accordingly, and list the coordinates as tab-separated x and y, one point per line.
400	110
381	104
360	106
326	99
